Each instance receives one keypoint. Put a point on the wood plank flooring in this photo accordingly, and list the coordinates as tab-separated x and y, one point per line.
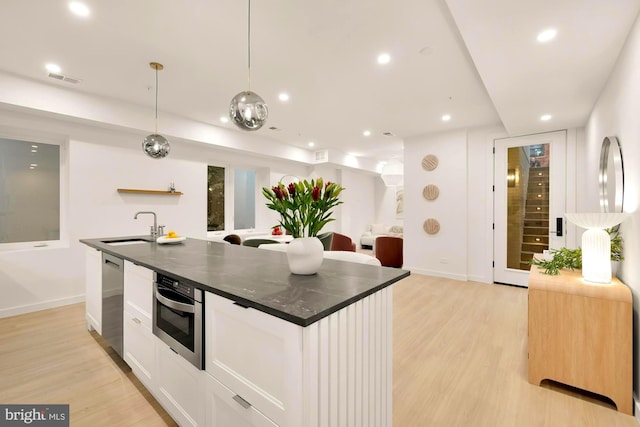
460	359
460	353
49	357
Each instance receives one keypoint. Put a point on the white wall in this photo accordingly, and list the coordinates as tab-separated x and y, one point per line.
98	210
385	204
100	160
463	249
359	196
480	203
445	253
357	211
616	114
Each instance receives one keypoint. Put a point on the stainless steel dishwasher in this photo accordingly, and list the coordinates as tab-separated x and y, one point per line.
112	300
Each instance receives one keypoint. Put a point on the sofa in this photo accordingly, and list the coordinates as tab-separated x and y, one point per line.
373	231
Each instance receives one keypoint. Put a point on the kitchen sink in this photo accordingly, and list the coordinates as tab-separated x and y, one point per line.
122	242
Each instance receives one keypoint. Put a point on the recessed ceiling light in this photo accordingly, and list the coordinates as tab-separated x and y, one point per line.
384	58
311	144
545	117
34	146
547	35
224	119
446	117
284	97
78	8
367	133
34	150
53	68
33	165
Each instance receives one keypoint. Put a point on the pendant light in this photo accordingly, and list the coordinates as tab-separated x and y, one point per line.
156	145
248	110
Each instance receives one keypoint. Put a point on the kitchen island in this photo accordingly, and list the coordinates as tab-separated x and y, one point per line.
280	349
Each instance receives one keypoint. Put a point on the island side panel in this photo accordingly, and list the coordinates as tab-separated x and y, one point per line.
348	365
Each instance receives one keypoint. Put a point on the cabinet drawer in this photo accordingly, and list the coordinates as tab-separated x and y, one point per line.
180	387
225	408
139	350
255	355
138	292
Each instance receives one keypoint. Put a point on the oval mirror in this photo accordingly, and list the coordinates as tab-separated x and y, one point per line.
611	176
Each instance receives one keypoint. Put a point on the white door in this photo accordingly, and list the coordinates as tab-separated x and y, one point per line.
529	202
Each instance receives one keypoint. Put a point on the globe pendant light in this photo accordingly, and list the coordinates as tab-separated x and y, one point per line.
248	110
156	145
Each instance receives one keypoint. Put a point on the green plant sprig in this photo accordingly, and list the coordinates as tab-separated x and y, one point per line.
572	258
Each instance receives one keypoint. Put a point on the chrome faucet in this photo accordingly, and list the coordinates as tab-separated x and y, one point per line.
154	227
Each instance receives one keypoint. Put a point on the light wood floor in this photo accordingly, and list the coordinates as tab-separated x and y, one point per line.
49	357
459	360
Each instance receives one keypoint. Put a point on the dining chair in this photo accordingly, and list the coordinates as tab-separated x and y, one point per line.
254	243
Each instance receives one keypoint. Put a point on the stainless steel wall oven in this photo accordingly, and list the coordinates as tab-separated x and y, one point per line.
177	317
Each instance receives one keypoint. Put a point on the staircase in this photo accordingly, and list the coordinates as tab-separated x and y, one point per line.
535	233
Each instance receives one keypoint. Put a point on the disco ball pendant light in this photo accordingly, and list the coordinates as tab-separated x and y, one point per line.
248	110
156	145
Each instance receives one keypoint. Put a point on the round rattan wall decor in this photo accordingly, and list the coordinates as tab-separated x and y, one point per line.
429	162
431	192
431	226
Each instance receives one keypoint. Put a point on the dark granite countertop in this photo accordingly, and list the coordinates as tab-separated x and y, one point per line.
258	278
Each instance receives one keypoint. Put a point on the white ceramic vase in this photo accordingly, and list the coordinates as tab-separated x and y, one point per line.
305	255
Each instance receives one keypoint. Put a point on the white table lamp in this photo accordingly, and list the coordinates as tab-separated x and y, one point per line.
596	243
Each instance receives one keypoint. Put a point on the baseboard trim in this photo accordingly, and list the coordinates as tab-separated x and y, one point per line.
44	305
636	408
461	277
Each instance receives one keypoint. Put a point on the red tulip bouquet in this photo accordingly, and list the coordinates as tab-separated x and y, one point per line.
304	207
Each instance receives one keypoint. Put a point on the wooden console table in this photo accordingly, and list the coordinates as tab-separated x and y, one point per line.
580	334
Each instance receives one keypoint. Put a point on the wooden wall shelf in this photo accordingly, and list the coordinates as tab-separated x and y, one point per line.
156	192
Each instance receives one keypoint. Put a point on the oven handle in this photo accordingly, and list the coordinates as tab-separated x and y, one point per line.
187	308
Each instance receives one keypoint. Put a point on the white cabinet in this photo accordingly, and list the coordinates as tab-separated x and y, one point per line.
257	357
139	349
261	371
139	346
180	387
138	292
225	408
335	372
93	289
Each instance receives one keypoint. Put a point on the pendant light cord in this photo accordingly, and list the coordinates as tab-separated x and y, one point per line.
249	44
156	101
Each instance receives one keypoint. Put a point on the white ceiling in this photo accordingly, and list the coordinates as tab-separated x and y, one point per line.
323	53
527	79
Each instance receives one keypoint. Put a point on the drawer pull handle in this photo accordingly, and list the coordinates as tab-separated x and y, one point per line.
138	321
239	304
242	402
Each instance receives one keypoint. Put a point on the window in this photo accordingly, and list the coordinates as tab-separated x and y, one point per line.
30	196
241	195
215	198
244	199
